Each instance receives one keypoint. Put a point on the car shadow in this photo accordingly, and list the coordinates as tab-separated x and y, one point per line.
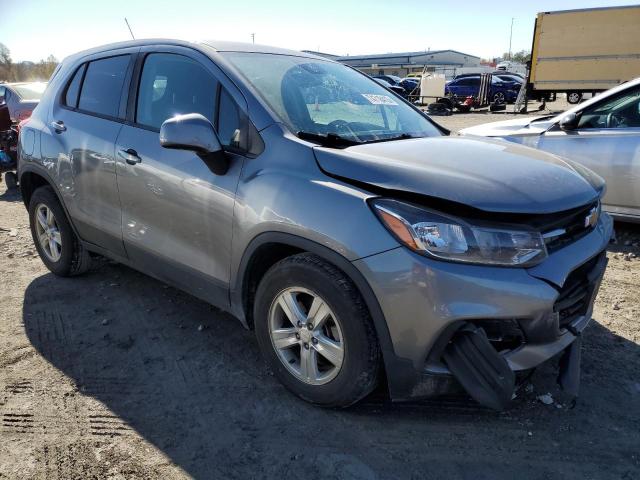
189	379
9	195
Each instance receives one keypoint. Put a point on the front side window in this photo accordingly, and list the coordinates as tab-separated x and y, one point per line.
172	85
321	98
619	111
102	86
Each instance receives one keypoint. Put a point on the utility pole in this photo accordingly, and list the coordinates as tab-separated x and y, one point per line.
510	37
253	38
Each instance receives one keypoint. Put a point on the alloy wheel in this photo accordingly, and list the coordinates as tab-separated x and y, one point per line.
48	232
306	335
573	97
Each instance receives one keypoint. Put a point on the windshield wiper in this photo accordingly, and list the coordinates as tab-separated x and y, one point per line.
328	140
402	136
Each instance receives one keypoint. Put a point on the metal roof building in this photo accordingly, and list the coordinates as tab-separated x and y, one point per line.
402	64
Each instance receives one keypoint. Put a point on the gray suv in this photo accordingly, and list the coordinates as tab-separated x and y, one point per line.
362	244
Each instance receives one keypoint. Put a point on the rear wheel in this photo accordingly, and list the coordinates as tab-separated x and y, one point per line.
315	332
55	240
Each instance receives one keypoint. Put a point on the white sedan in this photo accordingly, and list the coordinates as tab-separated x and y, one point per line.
602	133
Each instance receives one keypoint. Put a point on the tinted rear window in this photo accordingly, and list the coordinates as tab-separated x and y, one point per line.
71	98
102	86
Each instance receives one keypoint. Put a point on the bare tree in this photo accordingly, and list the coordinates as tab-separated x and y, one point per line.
6	65
24	71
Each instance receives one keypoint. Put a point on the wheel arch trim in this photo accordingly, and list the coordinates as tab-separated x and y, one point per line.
30	169
401	375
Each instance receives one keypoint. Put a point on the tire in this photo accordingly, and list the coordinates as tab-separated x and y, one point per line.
574	97
67	257
499	98
11	179
447	102
304	276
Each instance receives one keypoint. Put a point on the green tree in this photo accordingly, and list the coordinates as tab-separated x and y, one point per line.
523	56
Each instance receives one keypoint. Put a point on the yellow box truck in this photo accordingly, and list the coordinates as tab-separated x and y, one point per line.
587	50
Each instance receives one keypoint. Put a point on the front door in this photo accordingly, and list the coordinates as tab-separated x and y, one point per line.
607	140
176	213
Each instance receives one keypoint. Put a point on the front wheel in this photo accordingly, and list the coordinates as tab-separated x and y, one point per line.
315	332
499	98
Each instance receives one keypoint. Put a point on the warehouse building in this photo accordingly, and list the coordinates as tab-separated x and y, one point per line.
448	62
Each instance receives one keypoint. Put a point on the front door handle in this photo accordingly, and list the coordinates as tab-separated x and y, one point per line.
58	126
130	156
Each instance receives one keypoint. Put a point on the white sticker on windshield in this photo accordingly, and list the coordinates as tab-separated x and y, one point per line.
379	99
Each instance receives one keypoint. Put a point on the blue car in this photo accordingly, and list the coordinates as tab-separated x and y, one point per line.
499	92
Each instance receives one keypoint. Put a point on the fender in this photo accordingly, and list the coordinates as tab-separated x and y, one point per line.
33	168
404	374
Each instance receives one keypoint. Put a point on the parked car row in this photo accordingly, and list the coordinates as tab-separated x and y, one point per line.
503	89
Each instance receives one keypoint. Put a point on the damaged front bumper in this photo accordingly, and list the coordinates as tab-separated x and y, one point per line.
522	317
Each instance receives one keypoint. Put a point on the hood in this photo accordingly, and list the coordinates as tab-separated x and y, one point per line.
518	126
487	174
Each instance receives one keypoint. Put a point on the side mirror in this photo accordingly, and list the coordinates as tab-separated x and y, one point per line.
568	122
195	133
190	132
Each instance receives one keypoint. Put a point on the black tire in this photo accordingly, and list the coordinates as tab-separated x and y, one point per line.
11	179
447	102
74	258
574	97
358	375
499	98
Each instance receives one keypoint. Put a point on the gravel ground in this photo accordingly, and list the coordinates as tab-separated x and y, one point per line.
115	375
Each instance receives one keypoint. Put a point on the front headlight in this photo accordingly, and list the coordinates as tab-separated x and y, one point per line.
444	237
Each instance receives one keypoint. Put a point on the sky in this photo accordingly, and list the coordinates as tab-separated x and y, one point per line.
34	29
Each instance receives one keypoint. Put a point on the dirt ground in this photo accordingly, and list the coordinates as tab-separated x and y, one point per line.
115	375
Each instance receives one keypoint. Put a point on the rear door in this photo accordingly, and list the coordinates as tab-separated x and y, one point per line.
607	141
176	212
83	126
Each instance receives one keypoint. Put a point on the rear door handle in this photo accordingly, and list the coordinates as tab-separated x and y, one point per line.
130	156
58	126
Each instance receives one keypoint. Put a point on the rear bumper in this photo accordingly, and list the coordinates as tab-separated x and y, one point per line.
425	302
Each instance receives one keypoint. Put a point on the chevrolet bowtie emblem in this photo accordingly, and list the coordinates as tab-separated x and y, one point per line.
591	219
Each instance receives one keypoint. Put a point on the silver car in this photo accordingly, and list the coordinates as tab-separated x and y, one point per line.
21	98
602	134
357	239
